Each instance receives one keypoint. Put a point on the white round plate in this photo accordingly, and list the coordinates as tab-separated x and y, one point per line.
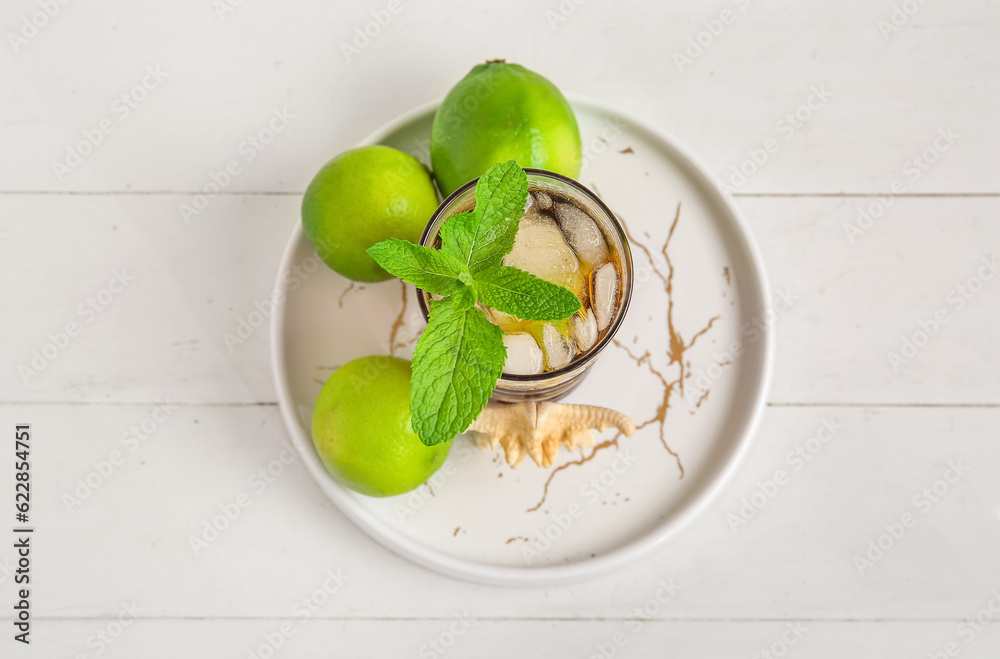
699	298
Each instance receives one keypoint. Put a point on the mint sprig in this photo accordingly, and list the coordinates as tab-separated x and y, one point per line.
461	354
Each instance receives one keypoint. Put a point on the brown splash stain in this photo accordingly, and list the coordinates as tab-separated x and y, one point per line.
725	273
457	529
340	302
676	349
660	418
397	325
703	398
677	346
627	149
583	460
515	538
319	382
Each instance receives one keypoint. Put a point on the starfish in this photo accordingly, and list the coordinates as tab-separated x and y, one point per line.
539	429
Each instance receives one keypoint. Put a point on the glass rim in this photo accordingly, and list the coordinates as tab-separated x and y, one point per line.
626	258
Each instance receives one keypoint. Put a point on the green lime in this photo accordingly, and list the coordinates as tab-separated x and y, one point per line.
362	432
364	196
501	112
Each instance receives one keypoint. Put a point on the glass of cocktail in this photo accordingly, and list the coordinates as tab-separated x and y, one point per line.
569	237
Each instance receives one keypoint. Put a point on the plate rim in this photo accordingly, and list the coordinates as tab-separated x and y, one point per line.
496	575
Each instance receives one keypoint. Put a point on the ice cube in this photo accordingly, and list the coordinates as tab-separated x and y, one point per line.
558	348
583	327
524	357
498	318
605	297
582	234
541	249
543	200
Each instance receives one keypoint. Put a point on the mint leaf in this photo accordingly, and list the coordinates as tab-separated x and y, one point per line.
426	268
464	297
455	366
456	236
524	295
482	237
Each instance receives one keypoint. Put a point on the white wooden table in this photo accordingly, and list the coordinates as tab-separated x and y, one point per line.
897	121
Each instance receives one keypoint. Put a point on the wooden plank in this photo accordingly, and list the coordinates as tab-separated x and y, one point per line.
131	537
164	334
221	79
157	639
